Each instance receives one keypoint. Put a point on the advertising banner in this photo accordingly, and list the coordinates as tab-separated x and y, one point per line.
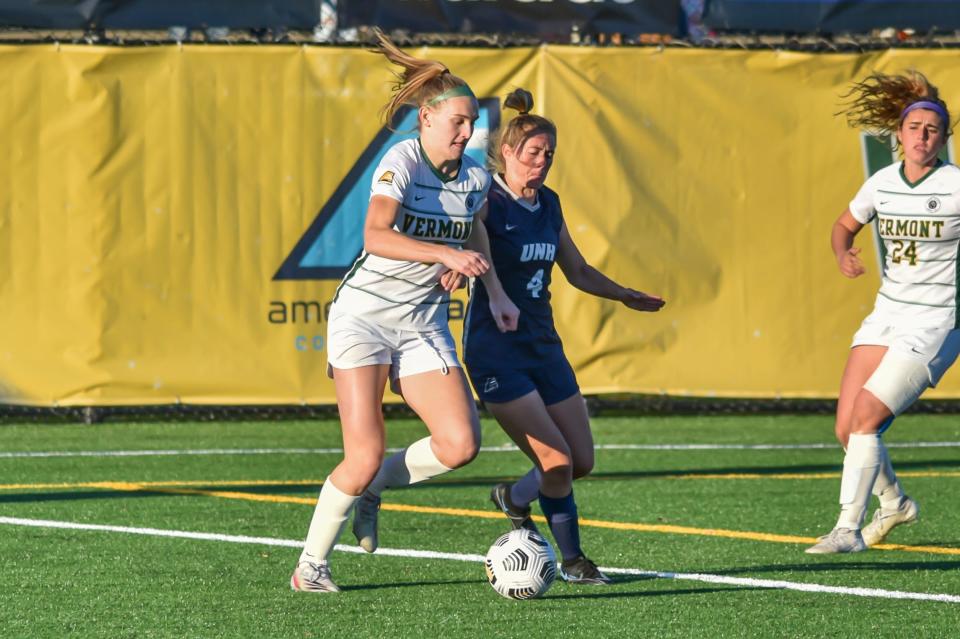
174	221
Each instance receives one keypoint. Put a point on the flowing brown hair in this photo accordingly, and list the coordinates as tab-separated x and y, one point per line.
519	129
876	103
420	81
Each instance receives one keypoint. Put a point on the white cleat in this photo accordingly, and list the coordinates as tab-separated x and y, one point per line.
311	577
885	521
365	521
839	540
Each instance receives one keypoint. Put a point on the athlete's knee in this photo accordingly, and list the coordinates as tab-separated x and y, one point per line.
456	449
865	424
868	414
842	432
582	463
362	466
557	479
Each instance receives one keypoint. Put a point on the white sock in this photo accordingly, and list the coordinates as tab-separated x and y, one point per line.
329	518
526	489
861	465
887	488
413	464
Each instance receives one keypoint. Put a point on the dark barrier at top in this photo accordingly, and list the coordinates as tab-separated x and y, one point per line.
550	20
153	14
547	19
826	16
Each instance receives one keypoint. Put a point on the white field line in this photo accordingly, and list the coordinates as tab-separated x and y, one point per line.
486	449
746	582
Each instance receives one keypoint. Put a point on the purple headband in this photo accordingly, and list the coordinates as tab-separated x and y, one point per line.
926	104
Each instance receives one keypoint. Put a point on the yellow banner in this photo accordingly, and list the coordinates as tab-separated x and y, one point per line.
173	220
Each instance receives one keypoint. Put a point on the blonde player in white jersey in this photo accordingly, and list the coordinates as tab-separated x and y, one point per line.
389	316
910	339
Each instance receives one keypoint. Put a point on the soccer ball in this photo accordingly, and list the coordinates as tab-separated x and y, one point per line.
521	565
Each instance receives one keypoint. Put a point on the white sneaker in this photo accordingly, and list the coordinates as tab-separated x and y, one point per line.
311	577
839	540
885	521
365	521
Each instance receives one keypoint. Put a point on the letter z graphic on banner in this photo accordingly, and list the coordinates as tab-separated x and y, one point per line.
334	239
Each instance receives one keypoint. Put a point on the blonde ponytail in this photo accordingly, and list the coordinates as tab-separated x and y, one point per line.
421	83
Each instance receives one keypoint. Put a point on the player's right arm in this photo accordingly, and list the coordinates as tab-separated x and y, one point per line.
841	240
505	313
380	238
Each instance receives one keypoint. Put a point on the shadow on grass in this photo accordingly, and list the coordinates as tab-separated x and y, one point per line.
461	482
417	584
455	482
609	592
648	593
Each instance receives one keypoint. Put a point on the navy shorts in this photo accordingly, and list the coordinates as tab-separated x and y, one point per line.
554	381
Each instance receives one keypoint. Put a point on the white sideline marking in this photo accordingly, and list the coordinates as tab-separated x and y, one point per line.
429	554
173	453
486	449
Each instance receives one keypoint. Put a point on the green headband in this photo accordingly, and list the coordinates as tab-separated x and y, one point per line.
455	92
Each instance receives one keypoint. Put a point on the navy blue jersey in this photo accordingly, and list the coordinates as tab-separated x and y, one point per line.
523	245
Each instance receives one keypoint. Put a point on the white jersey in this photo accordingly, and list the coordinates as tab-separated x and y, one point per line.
433	208
919	228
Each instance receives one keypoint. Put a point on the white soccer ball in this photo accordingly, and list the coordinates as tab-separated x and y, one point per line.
521	565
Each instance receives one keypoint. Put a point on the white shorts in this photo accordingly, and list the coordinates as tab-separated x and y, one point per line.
915	360
353	342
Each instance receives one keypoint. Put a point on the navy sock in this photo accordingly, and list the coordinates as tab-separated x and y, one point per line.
561	514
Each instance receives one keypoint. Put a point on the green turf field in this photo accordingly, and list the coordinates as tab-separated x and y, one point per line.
725	528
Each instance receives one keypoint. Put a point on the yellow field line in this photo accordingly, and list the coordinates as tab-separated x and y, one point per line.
661	528
179	487
593	523
114	485
276	499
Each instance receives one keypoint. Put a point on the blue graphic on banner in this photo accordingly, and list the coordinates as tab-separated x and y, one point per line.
335	238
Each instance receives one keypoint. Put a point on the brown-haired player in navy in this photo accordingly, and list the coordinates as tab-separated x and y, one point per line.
523	377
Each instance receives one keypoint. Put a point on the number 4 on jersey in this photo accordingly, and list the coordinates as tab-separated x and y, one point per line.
535	285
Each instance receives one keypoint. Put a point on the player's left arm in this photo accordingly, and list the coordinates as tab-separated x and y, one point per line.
590	280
